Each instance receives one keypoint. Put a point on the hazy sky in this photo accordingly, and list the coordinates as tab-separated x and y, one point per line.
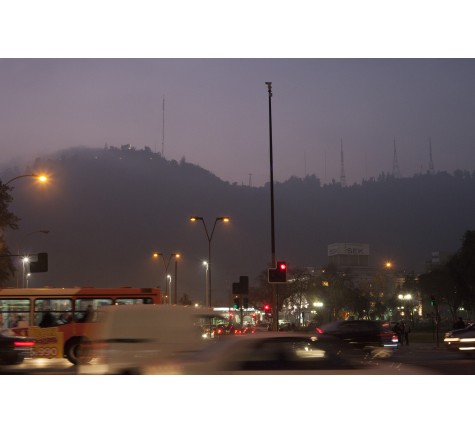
215	112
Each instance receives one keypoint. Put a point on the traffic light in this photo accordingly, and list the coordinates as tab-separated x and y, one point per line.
433	301
237	302
278	274
267	310
40	265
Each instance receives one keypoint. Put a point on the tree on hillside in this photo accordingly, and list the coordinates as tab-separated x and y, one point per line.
453	284
461	267
8	220
439	284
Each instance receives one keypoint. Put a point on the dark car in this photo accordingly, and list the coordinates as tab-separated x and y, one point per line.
14	349
285	353
369	336
461	339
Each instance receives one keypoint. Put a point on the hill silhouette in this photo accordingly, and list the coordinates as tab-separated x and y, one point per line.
109	209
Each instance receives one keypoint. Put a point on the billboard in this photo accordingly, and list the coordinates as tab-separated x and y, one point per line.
354	249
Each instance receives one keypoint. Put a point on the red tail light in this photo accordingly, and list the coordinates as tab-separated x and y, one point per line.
24	344
389	335
319	330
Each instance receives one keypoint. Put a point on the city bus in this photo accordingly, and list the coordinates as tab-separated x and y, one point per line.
57	317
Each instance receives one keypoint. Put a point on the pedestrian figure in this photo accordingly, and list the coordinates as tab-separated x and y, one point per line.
406	331
48	320
400	333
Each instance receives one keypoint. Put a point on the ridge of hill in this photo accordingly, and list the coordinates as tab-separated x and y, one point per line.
109	209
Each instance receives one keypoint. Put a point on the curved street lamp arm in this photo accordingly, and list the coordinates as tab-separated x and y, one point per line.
34	175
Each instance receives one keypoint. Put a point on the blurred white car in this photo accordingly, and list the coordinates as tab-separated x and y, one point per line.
461	339
131	339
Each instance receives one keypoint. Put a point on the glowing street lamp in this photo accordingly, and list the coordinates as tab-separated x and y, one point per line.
42	178
168	277
406	299
209	236
26	258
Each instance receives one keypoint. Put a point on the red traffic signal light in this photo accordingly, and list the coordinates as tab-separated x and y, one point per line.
266	308
278	274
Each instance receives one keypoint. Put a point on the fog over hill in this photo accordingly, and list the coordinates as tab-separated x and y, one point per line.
109	209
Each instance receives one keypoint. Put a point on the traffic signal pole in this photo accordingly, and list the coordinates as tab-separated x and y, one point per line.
275	294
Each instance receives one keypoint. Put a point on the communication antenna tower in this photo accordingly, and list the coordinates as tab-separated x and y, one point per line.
396	171
305	164
163	127
342	173
431	162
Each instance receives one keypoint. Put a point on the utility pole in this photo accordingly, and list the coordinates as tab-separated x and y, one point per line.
275	294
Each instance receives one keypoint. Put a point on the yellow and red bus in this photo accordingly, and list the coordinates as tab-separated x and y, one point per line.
57	317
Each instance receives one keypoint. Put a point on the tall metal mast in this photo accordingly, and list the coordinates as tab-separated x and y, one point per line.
431	162
342	173
163	128
396	171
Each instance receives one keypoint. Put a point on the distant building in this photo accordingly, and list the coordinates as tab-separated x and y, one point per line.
344	255
437	259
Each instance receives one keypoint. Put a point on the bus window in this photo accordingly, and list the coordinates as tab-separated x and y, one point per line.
146	300
14	313
59	308
85	309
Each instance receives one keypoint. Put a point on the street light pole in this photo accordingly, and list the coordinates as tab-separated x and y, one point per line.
274	286
176	276
42	178
206	282
169	292
25	257
269	88
168	277
209	237
25	260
